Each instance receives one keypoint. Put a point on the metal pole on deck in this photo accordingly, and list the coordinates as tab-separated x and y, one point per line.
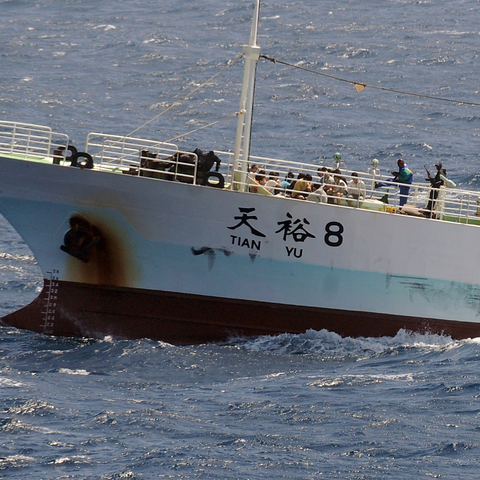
242	140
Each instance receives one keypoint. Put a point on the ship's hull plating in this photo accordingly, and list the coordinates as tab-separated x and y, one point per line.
91	311
188	264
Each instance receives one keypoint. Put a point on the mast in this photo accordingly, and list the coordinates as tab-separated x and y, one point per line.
244	125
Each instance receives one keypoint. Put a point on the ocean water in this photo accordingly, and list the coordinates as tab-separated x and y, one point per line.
288	407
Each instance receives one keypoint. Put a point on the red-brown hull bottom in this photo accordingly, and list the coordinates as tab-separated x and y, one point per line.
74	309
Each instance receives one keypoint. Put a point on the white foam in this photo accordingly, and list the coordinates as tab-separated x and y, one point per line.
8	382
331	344
351	380
15	460
69	371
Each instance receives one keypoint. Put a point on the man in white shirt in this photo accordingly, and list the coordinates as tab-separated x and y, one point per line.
356	190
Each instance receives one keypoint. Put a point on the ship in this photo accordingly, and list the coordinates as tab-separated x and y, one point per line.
138	238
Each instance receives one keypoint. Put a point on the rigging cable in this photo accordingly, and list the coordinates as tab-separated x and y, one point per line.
201	128
361	86
178	102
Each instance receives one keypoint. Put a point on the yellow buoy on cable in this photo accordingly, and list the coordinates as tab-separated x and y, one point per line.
359	87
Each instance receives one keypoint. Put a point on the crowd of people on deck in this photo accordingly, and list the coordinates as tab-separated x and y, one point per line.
334	188
330	188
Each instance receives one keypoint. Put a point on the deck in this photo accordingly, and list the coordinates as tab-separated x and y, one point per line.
166	162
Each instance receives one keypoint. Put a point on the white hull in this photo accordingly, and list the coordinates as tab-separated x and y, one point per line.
381	263
126	248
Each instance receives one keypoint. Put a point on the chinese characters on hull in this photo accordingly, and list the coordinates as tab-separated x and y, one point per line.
291	229
244	219
297	231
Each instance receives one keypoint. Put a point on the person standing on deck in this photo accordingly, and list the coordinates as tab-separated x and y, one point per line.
404	178
440	180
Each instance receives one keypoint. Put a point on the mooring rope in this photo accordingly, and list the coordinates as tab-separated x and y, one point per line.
359	86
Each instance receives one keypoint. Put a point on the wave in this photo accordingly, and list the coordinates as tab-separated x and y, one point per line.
332	345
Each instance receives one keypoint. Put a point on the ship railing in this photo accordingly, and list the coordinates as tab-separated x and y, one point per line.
163	161
160	160
29	141
449	204
288	167
145	158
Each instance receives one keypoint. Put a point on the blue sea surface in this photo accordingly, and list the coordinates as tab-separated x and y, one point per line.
287	407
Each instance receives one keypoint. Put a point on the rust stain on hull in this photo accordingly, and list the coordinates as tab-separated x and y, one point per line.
98	252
